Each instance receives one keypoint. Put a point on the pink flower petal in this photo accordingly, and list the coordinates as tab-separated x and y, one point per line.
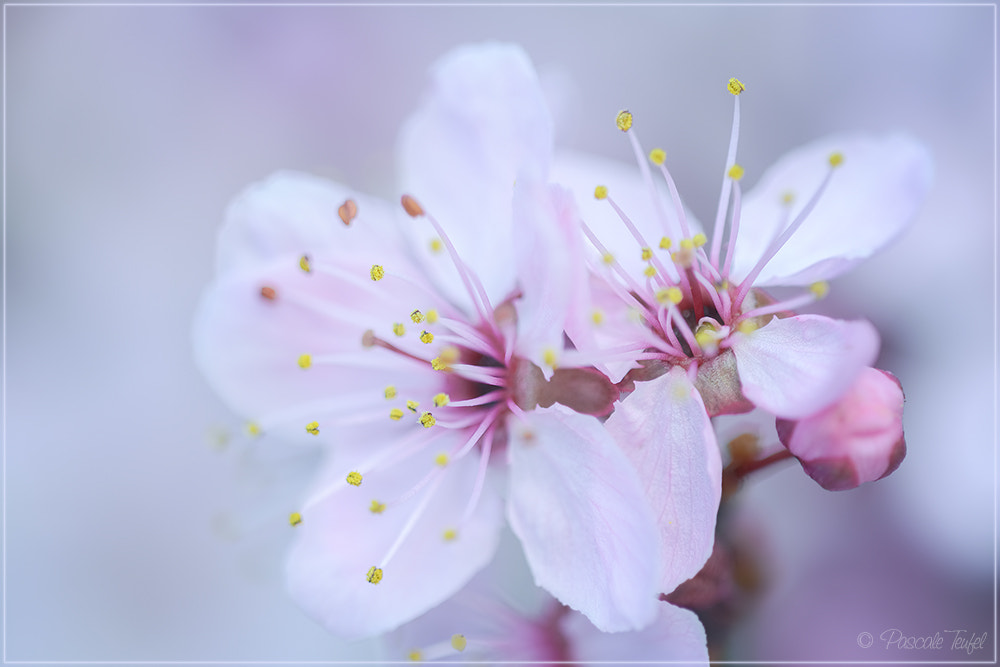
871	198
795	367
858	439
484	124
675	635
664	430
577	505
340	539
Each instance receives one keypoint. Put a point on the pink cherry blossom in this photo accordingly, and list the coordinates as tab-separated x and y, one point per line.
424	344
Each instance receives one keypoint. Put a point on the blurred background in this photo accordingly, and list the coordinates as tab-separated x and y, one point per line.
134	530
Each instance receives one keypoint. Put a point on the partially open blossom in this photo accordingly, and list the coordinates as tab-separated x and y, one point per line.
857	439
424	344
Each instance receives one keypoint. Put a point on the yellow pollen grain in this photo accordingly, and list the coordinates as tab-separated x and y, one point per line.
399	329
549	357
377	272
439	364
649	271
376	507
449	535
657	156
354	478
597	317
665	243
305	361
699	239
450	354
412	406
253	429
820	289
436	245
432	316
374	575
787	198
441	400
836	159
624	120
441	459
687	244
670	295
608	258
426	337
600	192
427	420
304	263
417	317
312	427
294	519
390	392
747	326
458	642
415	656
735	86
647	254
735	172
411	206
395	414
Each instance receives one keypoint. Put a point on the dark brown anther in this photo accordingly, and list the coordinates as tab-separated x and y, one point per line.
348	211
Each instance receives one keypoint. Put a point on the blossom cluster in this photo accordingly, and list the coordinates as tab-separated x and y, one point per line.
540	343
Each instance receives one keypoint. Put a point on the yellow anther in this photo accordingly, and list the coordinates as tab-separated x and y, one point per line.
417	317
735	86
549	357
354	478
624	120
294	518
458	642
649	271
312	427
699	239
411	206
348	211
253	429
376	507
687	244
439	364
597	317
427	420
268	293
441	400
747	326
735	172
657	156
399	329
647	254
305	361
788	197
836	159
432	316
390	392
665	243
374	575
426	337
436	245
416	656
449	535
395	414
412	406
608	258
703	338
304	263
820	288
600	192
724	285
669	295
378	272
450	354
441	459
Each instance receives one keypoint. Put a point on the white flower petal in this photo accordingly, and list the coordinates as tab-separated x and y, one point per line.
871	198
483	125
676	635
340	539
664	430
577	505
795	367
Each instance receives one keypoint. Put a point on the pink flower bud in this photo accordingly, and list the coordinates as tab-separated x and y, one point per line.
857	439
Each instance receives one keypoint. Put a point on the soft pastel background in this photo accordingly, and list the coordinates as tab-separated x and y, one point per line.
129	535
